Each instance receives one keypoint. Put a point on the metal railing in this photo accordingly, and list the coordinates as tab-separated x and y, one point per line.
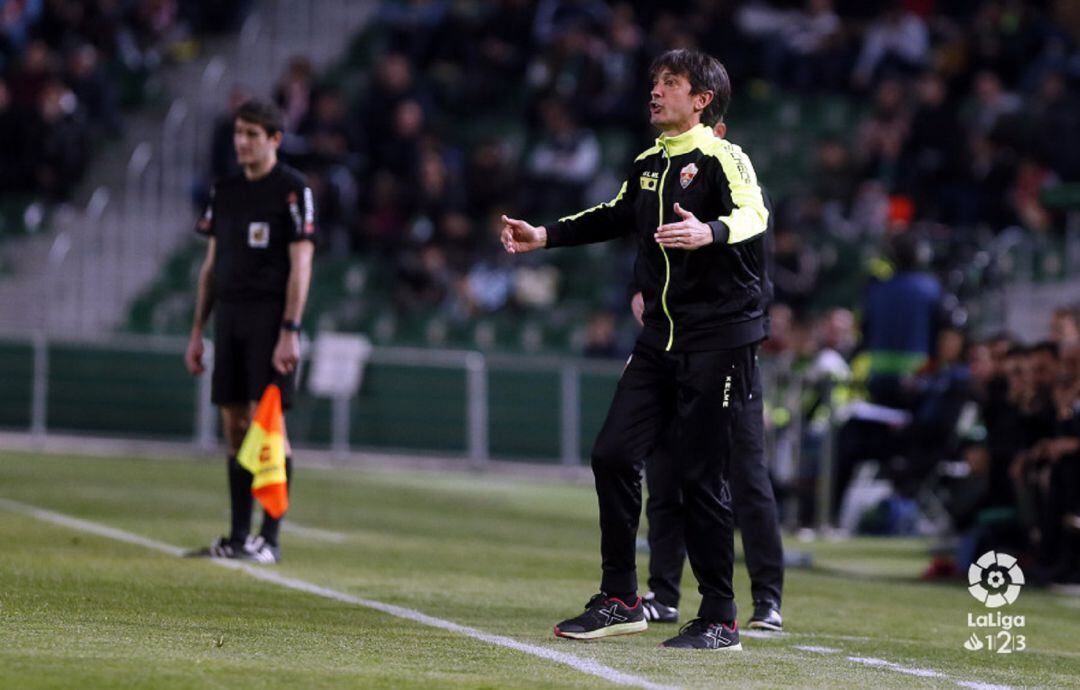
136	387
38	351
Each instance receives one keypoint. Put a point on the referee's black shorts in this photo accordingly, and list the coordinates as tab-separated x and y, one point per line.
245	334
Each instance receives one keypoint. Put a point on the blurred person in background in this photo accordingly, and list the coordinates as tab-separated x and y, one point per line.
260	230
900	321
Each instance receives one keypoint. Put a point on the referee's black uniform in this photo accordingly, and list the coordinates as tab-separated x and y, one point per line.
691	367
253	223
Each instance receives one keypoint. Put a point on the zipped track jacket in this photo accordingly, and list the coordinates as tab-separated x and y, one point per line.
704	299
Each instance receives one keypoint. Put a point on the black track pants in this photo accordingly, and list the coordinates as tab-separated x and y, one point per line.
691	400
752	497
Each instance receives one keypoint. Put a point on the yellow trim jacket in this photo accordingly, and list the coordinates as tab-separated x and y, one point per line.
706	299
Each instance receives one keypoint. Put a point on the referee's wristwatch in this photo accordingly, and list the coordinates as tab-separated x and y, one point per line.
291	326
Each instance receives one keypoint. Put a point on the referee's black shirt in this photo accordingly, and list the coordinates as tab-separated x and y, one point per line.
254	222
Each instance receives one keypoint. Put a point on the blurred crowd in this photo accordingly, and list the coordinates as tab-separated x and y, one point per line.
930	430
466	110
63	69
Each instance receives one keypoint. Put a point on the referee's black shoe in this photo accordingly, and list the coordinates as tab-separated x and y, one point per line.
766	616
222	547
656	612
702	634
604	617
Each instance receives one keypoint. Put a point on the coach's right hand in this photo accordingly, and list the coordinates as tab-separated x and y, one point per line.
519	237
194	354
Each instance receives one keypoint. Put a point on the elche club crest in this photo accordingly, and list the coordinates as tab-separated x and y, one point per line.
995	579
687	175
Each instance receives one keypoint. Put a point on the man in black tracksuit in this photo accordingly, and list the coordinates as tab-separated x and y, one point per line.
695	206
752	496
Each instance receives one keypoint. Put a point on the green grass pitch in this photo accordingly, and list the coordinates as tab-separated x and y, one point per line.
506	556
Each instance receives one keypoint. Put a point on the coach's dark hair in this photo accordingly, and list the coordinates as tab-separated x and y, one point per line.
704	72
262	113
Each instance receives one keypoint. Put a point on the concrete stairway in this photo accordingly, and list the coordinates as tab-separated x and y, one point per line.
135	207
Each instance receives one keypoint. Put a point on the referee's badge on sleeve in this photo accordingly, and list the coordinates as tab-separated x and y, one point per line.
259	235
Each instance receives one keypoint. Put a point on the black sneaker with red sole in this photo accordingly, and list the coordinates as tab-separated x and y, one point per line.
604	617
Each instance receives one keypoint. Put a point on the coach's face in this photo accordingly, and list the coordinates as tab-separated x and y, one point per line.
253	145
672	108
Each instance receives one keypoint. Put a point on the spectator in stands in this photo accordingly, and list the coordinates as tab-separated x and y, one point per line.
424	280
617	102
490	177
1046	471
35	70
1055	114
929	164
992	103
394	81
13	161
398	149
222	156
380	227
58	137
570	68
803	50
91	85
293	92
835	177
795	268
881	136
563	162
600	341
897	44
1065	328
329	149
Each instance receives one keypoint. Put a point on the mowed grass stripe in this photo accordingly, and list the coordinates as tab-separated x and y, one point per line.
583	665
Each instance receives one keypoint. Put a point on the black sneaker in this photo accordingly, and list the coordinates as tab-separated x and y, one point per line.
701	634
223	547
657	612
261	551
766	616
604	617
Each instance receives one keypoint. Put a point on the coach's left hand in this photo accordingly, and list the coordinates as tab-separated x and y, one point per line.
689	233
286	352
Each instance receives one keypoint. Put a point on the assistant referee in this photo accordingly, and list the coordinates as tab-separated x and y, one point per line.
260	225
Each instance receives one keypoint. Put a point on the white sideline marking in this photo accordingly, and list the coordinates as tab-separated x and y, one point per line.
921	672
588	666
898	668
314	533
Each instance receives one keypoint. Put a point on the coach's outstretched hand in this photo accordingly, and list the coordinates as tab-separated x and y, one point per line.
689	233
519	237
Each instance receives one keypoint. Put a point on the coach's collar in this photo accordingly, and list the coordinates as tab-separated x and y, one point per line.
686	142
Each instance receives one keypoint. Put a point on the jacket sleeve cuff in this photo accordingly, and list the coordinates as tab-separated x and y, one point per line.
555	232
720	232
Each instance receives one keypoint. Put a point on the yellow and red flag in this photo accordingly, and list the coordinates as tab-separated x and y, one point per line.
263	454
